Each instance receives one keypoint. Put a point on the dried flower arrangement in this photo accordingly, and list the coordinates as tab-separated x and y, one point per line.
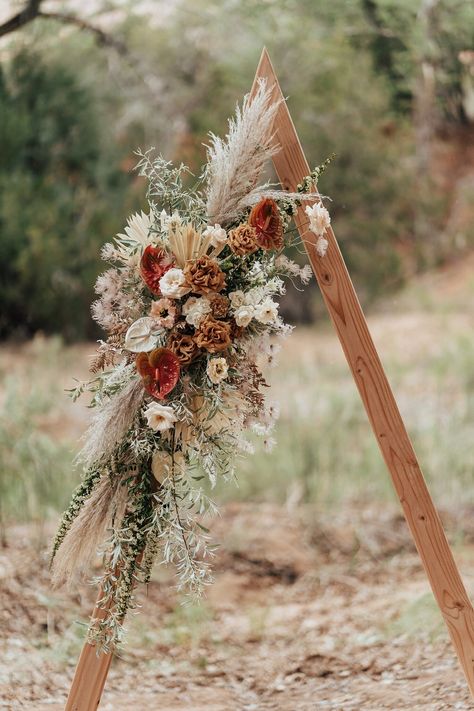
192	322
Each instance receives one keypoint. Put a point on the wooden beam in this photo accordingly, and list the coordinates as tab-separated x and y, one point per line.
349	321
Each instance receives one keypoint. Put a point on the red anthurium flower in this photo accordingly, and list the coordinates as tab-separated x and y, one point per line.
266	220
153	265
160	371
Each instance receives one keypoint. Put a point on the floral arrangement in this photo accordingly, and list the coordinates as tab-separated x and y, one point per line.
190	309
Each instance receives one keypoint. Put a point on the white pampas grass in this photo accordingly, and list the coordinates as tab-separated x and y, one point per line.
104	507
110	424
235	164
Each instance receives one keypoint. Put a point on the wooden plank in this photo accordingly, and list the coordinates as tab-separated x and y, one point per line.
349	321
91	673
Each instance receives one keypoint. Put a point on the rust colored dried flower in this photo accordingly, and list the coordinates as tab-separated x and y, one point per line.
213	335
204	275
243	240
183	346
219	306
266	220
236	331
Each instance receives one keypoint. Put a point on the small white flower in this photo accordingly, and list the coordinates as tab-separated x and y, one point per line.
306	272
217	234
243	315
142	335
319	218
237	298
173	284
255	295
160	417
217	369
195	309
267	312
322	246
167	221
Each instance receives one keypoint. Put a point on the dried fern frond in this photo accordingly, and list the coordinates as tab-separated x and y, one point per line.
235	164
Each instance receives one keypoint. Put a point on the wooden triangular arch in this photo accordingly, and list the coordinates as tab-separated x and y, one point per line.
349	321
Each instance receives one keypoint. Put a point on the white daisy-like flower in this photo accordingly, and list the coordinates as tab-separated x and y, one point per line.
244	314
217	234
217	369
160	417
138	228
319	218
267	312
173	284
142	335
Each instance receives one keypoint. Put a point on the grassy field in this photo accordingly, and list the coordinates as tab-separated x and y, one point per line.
325	452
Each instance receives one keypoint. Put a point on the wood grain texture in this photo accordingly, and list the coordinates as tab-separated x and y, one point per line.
90	675
349	321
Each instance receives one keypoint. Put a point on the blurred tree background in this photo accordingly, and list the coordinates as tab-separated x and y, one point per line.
388	85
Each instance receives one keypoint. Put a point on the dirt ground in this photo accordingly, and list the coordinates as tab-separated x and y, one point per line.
308	611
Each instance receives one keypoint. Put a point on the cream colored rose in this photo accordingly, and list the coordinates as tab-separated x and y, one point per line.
243	315
217	234
142	335
160	417
319	218
237	298
195	309
267	311
173	284
217	369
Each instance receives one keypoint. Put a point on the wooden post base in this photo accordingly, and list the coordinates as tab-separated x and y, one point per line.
89	680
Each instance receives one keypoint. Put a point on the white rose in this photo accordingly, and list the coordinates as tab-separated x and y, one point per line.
173	284
319	218
217	370
142	335
217	234
237	298
243	315
160	417
267	311
195	309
